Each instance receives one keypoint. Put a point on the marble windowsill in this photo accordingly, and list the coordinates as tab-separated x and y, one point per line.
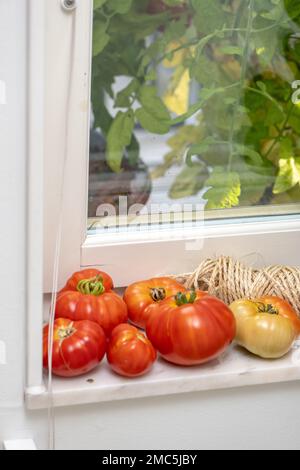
236	368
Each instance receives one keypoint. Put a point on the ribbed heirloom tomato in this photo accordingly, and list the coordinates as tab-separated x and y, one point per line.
191	329
74	280
90	300
129	352
78	347
141	294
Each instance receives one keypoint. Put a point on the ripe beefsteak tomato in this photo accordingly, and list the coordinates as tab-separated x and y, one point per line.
90	301
129	352
140	295
78	347
90	274
191	329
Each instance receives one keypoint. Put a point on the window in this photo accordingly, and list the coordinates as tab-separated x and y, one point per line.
194	105
215	141
251	96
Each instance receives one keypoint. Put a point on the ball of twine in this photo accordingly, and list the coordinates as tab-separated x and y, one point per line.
230	280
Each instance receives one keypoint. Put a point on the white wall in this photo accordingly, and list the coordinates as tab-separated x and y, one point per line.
260	417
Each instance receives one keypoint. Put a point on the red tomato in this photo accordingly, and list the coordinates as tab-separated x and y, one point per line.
90	301
78	347
129	352
108	309
140	295
91	275
191	329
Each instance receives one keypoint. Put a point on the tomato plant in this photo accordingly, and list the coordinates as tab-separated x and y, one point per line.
78	347
129	352
141	294
190	329
241	57
266	327
90	301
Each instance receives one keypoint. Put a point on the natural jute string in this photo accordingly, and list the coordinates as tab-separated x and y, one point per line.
230	280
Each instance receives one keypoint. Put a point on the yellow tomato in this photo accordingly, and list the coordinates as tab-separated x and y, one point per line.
263	329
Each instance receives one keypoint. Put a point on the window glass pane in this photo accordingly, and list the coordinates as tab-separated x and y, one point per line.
195	103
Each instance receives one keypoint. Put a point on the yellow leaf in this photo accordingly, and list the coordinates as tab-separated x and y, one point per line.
177	57
177	98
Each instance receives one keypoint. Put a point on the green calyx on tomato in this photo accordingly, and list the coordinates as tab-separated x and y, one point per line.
158	294
184	299
92	286
66	332
267	308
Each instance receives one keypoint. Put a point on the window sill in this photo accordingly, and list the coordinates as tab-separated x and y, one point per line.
236	368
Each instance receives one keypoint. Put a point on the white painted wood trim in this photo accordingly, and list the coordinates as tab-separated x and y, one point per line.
236	368
19	444
58	50
273	240
35	149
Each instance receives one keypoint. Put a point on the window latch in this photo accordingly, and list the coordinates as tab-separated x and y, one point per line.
69	5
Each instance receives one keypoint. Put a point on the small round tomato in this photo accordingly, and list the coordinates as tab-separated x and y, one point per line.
266	327
78	347
140	295
129	352
91	302
191	329
89	275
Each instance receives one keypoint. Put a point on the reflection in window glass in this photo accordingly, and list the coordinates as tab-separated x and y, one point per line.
195	103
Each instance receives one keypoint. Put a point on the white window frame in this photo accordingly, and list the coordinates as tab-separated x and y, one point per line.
272	239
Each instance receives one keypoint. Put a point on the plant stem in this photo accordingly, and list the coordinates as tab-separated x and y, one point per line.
265	95
283	128
198	106
241	83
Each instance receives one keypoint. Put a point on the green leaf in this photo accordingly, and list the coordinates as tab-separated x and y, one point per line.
123	97
254	157
292	8
253	183
100	37
189	182
153	104
99	3
120	6
286	148
275	14
262	86
151	123
198	149
288	176
225	189
119	137
231	50
209	15
153	116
